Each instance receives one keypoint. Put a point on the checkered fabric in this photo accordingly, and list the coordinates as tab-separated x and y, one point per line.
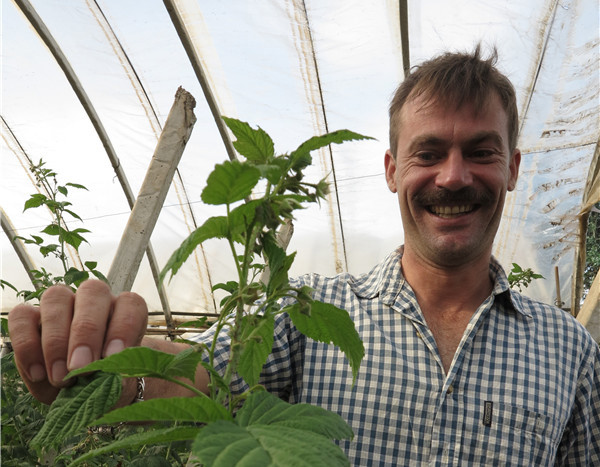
523	388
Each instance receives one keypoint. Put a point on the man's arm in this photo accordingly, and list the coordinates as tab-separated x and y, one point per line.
69	330
581	442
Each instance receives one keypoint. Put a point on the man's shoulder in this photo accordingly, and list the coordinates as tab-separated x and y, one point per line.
367	284
554	321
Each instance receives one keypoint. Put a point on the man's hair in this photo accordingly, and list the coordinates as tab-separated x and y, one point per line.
453	80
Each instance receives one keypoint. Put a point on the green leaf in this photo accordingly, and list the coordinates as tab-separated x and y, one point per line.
258	338
156	436
279	264
75	215
266	409
261	436
214	227
271	172
77	406
53	229
174	409
76	185
47	249
229	182
332	325
91	264
254	145
229	286
99	275
75	276
63	190
317	142
184	363
143	361
35	201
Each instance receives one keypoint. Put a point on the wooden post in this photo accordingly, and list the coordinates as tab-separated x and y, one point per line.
141	223
559	302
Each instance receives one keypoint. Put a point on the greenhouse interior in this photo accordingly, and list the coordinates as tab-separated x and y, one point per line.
88	86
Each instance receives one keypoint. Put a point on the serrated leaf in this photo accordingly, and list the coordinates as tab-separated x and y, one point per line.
260	436
331	325
271	172
317	142
99	275
254	145
242	216
76	185
53	229
35	201
143	361
173	409
72	238
77	406
214	227
229	182
229	286
184	363
258	335
75	276
74	214
263	408
157	436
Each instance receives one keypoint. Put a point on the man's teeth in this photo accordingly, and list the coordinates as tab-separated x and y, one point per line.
450	211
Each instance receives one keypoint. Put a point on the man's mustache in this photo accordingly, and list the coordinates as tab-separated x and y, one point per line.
444	196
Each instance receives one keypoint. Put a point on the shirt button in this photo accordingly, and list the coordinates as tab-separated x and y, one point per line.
418	334
450	389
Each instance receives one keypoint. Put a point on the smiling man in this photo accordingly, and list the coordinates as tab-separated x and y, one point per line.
458	369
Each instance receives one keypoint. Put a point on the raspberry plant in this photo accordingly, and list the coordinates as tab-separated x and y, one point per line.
253	428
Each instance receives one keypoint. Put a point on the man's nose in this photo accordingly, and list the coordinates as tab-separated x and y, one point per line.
454	171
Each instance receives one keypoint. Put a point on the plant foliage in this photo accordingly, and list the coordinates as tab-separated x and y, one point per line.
255	427
521	278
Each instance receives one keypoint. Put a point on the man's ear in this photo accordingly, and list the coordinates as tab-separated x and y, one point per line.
390	171
513	167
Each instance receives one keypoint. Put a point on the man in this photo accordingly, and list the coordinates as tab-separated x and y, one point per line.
458	370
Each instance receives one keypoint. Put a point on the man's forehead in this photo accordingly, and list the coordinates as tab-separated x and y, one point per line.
433	103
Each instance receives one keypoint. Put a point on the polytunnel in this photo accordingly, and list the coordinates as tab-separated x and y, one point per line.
87	87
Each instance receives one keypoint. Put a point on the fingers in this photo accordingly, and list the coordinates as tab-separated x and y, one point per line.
24	329
56	312
127	324
70	330
92	308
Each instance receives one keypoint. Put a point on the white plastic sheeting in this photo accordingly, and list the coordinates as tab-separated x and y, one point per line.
296	68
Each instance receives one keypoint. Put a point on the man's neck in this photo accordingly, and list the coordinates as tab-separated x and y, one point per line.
452	289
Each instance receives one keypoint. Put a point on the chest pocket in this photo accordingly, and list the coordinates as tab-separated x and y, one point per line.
500	435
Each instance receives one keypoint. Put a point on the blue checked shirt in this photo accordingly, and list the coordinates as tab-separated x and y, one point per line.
523	388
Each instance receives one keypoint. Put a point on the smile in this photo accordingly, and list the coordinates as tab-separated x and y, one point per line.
448	212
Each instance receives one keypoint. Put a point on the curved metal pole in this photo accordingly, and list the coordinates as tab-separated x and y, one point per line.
188	45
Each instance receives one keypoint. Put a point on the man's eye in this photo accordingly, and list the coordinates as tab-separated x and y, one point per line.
427	156
482	153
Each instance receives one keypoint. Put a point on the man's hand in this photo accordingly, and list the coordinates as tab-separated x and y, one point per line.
70	330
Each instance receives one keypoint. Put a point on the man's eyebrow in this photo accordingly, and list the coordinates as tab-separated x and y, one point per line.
427	140
430	140
484	137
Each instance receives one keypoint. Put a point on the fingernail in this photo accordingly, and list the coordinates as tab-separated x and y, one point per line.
37	373
114	346
59	371
80	357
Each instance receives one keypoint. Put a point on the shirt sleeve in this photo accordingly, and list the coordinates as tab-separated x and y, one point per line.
580	445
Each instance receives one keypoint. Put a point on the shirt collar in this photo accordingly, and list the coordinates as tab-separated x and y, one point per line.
386	281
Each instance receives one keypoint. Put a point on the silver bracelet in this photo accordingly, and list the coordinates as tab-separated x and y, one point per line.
141	387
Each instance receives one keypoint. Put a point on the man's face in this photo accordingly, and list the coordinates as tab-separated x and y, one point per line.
451	172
